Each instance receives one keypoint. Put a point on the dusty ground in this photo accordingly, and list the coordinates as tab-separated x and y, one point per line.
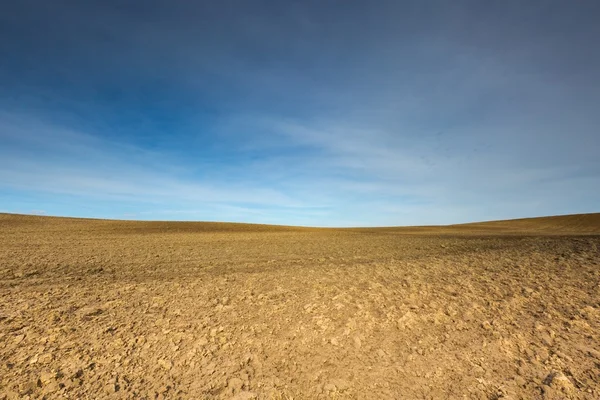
106	309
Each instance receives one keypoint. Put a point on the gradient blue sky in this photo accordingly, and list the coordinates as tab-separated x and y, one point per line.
323	113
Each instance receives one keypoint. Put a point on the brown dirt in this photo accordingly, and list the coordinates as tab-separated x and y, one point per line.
112	309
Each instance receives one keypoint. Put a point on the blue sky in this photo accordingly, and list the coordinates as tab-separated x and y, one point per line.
322	113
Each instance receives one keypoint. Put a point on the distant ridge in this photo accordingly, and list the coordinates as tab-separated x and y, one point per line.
574	224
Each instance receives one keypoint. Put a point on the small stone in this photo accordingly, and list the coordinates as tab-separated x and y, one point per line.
588	312
527	291
28	387
547	340
558	381
19	339
166	364
47	377
539	327
111	388
334	342
73	382
45	358
478	371
90	311
357	342
542	354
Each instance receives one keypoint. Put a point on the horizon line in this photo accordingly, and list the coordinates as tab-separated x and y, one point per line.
297	226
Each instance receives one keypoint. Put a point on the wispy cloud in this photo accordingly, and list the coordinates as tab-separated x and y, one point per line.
344	176
41	157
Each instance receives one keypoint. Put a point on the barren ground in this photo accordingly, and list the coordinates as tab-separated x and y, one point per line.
107	309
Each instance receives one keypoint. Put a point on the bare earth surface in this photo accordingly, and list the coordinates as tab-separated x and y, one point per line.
107	309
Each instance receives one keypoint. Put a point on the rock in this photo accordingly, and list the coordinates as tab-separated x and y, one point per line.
406	320
542	354
28	387
111	388
478	371
91	311
547	340
357	342
334	342
45	358
558	381
588	312
166	364
527	291
47	377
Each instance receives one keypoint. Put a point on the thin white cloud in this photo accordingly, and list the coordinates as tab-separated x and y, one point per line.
44	158
343	177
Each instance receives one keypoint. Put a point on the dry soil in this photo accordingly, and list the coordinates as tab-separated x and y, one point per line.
154	310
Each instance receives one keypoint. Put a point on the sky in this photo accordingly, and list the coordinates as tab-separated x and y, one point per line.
319	113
